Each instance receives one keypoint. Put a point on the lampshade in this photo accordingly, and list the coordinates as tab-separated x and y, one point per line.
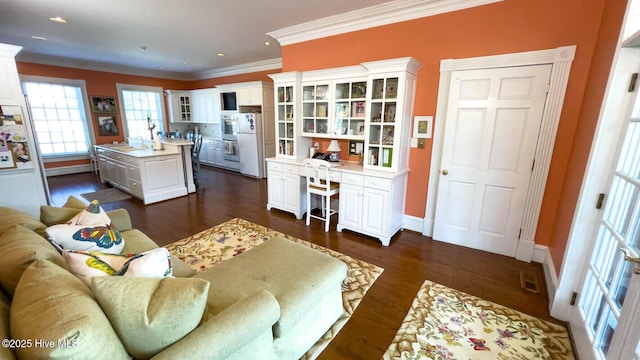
333	146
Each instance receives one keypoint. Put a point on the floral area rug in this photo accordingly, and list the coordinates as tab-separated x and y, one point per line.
209	247
447	324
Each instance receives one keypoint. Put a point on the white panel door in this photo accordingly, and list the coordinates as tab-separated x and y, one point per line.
492	124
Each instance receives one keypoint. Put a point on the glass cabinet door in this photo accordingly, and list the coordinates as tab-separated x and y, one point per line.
285	120
315	109
185	108
382	122
350	106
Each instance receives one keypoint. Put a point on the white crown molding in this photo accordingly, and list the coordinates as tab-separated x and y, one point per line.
265	65
95	66
372	16
84	65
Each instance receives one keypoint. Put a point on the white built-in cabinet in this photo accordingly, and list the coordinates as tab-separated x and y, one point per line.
205	106
150	179
372	205
212	152
391	88
286	188
288	128
372	103
179	106
194	106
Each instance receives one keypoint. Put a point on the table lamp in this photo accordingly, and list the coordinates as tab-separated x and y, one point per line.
334	150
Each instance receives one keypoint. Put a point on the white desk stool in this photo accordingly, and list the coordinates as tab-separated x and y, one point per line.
319	183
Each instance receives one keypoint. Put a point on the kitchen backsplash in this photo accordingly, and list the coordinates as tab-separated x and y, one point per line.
207	130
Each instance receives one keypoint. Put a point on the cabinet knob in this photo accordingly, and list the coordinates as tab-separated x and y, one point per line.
445	172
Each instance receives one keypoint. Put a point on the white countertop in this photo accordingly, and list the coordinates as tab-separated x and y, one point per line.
342	166
134	151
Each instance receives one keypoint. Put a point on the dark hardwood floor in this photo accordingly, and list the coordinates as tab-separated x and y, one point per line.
409	260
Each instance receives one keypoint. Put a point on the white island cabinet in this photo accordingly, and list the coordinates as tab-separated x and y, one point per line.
149	175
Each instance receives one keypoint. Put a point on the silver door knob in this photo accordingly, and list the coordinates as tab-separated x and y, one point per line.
445	172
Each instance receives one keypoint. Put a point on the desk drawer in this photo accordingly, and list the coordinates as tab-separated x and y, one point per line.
377	183
286	168
352	179
335	176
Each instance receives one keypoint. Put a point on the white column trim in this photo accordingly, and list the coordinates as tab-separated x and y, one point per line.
561	59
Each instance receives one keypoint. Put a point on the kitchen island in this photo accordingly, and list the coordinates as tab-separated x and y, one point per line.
147	174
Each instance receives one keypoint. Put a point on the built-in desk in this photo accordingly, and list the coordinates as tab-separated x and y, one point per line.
371	202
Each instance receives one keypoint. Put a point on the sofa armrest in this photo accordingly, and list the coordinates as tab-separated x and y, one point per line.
228	331
120	219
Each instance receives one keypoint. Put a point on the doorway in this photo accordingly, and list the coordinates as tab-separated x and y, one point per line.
559	60
491	131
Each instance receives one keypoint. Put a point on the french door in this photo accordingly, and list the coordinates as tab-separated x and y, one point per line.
610	297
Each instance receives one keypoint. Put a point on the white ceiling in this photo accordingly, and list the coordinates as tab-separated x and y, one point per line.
181	37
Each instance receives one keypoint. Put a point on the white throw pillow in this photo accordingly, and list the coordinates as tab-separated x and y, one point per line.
154	263
90	230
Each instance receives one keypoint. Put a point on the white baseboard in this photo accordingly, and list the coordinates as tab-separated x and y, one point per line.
412	223
542	255
66	170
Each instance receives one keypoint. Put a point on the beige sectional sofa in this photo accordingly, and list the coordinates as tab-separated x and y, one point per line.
273	302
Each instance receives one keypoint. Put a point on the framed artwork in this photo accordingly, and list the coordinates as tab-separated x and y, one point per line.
103	104
107	125
422	126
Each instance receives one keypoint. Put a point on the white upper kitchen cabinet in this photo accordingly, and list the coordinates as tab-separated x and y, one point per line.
179	102
205	107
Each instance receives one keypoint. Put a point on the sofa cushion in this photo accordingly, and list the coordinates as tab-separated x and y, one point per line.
86	265
52	215
11	217
297	276
151	314
19	247
52	305
5	305
74	202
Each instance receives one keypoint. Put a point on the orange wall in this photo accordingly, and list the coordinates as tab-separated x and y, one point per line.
505	27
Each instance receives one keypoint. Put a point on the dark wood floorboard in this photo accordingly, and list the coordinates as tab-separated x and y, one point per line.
409	260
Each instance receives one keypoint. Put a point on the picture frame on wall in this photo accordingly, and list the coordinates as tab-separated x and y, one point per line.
107	125
422	126
103	104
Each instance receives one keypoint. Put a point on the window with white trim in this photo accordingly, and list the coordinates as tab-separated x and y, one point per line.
59	115
143	107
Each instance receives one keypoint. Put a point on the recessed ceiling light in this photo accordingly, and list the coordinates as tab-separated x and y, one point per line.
38	37
220	54
267	43
58	19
